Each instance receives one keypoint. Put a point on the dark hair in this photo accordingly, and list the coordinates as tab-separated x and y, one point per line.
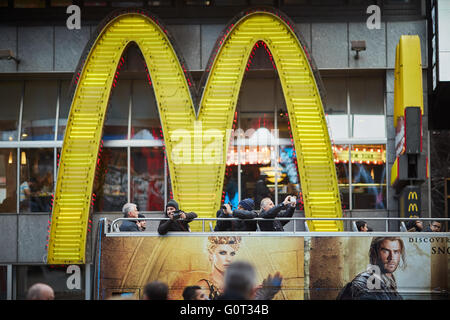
189	292
156	290
360	224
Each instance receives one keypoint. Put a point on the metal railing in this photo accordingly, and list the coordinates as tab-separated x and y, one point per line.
115	228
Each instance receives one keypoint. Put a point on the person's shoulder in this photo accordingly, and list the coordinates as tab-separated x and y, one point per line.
359	282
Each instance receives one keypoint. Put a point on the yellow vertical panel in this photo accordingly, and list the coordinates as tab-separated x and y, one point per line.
408	88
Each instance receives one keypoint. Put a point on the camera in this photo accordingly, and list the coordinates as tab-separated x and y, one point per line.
177	215
293	200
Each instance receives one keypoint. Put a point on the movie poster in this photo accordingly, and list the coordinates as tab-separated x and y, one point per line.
128	263
380	268
316	268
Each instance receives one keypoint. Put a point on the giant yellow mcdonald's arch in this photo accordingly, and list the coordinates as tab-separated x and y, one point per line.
196	185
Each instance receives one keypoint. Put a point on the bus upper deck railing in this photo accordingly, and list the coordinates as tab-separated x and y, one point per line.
115	228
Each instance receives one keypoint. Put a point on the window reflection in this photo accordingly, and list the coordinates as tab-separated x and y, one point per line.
64	108
368	176
11	93
230	186
111	184
8	176
116	123
36	180
335	100
39	110
147	178
257	156
341	160
289	183
366	95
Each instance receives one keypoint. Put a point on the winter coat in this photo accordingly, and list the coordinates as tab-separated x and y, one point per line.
129	225
233	225
357	289
176	225
275	212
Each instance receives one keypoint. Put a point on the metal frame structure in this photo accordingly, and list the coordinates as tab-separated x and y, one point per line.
284	233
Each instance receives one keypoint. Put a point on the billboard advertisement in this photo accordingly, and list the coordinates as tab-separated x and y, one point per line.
312	268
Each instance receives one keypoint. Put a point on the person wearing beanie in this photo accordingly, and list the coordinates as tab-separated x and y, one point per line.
244	211
179	220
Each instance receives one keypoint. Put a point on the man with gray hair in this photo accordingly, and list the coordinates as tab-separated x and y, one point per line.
40	291
130	210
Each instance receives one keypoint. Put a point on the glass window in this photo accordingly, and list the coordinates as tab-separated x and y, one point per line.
145	123
335	99
337	126
11	93
65	102
368	176
116	122
66	285
3	282
36	180
289	180
111	183
257	158
230	192
341	160
39	110
366	95
257	95
369	126
8	180
147	178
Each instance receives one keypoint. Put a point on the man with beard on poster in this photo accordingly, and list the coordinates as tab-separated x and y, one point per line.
378	282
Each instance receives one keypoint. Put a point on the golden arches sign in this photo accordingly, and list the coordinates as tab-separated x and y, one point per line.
197	184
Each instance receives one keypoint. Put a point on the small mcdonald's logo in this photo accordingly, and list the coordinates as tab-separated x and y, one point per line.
412	195
413	207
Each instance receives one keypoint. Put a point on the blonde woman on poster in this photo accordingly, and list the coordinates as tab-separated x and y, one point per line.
221	251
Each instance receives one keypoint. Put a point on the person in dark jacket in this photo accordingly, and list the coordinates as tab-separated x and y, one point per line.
130	211
435	226
179	220
261	190
245	211
378	282
414	225
270	211
224	212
